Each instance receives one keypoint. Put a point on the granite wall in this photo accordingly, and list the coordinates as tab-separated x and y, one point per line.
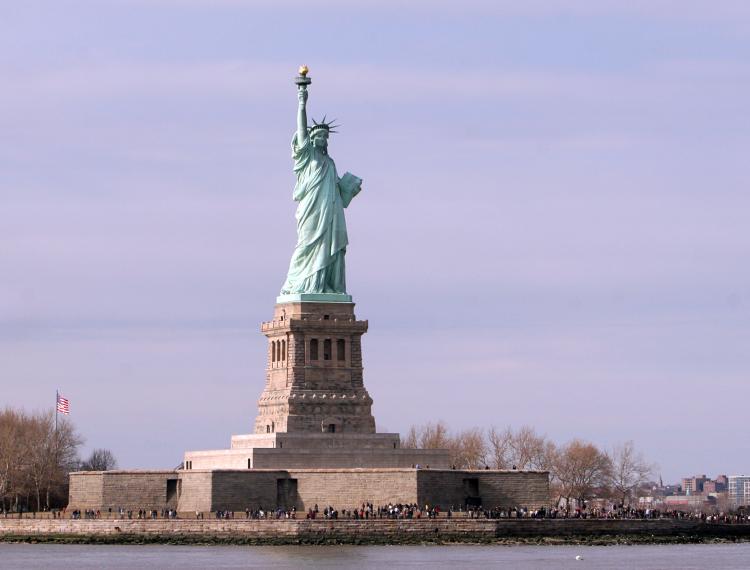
236	490
489	488
106	490
361	531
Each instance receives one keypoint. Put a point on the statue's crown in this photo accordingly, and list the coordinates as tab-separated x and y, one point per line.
325	125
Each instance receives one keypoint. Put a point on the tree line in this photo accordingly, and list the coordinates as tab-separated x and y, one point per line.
578	469
36	457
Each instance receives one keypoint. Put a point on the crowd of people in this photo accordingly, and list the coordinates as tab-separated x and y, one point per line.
368	511
621	513
364	511
631	513
122	513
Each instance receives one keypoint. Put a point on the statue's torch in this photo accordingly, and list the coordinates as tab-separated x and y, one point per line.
302	80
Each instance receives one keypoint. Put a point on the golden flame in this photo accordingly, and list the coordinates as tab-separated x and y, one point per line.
303	69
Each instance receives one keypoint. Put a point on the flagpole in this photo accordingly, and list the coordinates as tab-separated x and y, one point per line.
57	399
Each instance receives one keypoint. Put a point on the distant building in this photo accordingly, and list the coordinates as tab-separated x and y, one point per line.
689	502
714	487
694	485
700	493
739	490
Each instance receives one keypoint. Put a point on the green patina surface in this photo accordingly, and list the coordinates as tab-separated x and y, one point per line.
315	298
317	264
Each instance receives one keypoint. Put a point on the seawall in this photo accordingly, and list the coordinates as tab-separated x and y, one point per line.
377	531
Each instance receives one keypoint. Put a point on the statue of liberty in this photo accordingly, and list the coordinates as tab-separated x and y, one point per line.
317	264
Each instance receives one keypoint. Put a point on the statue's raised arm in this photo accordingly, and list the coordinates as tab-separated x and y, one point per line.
302	82
302	115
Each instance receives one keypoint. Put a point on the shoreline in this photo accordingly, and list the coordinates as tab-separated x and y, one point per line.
371	532
140	540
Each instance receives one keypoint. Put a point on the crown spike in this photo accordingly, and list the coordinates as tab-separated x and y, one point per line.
324	123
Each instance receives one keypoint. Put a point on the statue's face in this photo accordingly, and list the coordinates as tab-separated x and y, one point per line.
320	139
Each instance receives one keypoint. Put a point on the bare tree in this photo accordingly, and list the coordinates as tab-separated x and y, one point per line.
411	441
469	449
429	436
500	444
35	458
629	470
65	452
435	436
579	468
100	460
11	452
52	453
37	444
522	449
531	450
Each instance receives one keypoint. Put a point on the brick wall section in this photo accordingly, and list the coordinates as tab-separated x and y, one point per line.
270	530
219	459
85	490
336	452
356	357
380	530
236	490
528	489
116	489
296	360
340	458
351	488
196	491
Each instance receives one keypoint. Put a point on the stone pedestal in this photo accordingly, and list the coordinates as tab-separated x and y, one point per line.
314	380
315	411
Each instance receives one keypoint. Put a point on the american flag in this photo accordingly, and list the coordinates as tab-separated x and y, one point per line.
63	406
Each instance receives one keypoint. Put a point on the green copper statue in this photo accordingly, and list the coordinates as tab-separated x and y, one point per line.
316	270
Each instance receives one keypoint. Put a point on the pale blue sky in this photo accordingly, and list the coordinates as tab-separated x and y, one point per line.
553	228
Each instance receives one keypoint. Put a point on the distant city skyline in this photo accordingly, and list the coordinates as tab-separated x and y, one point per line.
563	185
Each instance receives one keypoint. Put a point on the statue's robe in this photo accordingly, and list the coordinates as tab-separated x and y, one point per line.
317	264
